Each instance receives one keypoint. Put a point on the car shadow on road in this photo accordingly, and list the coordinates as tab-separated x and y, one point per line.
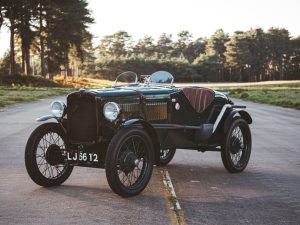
105	206
95	195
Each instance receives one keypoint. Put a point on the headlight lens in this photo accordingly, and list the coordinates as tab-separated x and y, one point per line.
58	109
111	111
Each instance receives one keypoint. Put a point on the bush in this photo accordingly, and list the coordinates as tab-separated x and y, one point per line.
110	67
244	95
32	81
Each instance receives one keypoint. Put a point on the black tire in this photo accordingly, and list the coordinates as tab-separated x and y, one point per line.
129	156
236	149
37	152
166	155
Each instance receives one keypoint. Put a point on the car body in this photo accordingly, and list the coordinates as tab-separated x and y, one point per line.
129	127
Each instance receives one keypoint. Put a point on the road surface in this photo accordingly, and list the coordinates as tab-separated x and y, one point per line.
267	192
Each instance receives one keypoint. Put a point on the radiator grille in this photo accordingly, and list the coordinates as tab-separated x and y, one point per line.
157	110
82	122
130	107
153	110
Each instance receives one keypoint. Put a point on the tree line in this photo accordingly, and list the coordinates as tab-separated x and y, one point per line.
50	37
54	30
253	55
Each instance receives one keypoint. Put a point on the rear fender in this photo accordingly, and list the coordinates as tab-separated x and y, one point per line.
236	113
150	130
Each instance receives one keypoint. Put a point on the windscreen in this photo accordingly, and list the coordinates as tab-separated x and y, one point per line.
161	77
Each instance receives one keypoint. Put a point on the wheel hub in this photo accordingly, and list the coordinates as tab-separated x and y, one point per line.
53	155
236	145
130	162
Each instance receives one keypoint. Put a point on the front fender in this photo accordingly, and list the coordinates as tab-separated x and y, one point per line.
48	117
131	122
150	130
44	118
236	112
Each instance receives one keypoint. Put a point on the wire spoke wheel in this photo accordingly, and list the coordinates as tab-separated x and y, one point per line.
45	155
133	161
50	145
129	161
237	147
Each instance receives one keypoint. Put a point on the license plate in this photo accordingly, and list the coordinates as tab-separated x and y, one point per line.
82	157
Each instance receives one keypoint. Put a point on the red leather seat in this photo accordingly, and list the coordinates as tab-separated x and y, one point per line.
199	97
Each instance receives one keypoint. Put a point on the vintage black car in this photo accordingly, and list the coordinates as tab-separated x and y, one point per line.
132	126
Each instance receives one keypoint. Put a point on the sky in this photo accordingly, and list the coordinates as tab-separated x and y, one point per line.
201	17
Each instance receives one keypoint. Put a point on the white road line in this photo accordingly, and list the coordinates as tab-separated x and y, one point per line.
169	185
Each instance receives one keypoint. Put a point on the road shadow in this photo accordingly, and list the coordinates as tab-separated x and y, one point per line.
96	196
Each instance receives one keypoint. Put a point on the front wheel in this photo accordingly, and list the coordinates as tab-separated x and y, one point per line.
129	161
236	149
44	155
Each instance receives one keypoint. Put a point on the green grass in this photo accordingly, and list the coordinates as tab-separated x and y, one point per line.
27	88
280	94
11	95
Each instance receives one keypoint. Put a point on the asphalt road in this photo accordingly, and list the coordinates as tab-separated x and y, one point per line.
267	192
85	198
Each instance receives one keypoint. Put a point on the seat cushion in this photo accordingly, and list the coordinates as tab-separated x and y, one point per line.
199	98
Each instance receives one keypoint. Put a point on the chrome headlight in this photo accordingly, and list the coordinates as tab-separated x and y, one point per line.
111	111
58	109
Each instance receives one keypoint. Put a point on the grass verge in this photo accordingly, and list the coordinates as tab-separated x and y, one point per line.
80	82
284	98
23	89
280	94
11	95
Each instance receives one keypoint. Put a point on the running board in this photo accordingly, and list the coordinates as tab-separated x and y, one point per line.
202	132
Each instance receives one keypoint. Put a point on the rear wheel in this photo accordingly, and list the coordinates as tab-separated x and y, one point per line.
44	155
166	155
236	149
129	161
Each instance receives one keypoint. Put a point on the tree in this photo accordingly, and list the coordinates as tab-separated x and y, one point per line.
258	47
19	14
1	15
182	43
25	15
238	56
105	46
42	34
278	41
121	44
164	46
216	44
144	47
5	64
209	65
9	10
66	28
194	49
117	45
293	61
